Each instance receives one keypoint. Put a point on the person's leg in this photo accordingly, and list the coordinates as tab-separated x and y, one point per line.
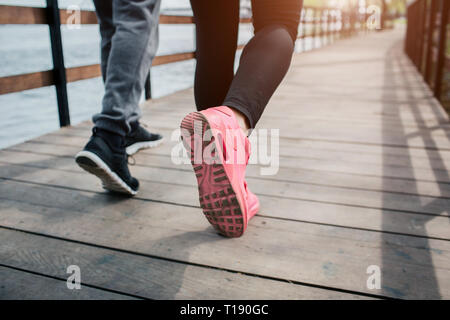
224	197
104	10
133	46
224	148
266	58
217	27
127	52
217	24
138	138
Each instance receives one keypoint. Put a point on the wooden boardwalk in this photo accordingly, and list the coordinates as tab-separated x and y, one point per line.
363	180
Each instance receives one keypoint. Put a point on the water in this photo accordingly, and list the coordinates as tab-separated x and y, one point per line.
25	49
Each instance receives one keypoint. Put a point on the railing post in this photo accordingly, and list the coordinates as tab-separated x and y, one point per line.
409	34
383	14
337	32
352	16
416	33
325	25
431	26
331	25
366	16
413	30
423	11
59	71
444	6
303	28
345	26
321	27
314	28
348	23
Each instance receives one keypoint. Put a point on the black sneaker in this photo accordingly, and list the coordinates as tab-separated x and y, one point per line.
103	158
141	139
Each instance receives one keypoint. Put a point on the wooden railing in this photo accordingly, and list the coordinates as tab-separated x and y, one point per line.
426	41
324	23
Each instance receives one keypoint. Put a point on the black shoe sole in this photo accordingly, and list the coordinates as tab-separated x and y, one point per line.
135	147
93	164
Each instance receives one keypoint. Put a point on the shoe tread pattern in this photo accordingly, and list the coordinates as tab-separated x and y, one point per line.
216	195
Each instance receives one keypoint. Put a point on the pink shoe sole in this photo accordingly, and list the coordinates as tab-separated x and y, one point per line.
217	197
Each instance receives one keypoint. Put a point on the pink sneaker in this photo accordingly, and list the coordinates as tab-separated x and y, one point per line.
219	155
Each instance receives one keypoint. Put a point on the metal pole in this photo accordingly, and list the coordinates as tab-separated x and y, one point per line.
59	70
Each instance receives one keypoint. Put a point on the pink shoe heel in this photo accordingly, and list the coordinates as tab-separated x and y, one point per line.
223	193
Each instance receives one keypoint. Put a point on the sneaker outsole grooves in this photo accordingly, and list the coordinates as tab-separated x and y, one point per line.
93	164
216	195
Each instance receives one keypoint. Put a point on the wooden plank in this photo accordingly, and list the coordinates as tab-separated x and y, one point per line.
398	173
170	58
83	72
158	185
168	125
298	176
140	275
408	168
304	146
336	134
27	81
395	127
19	285
22	15
288	148
427	141
170	19
426	116
40	79
301	252
361	198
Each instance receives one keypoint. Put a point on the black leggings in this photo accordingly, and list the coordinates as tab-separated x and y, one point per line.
264	61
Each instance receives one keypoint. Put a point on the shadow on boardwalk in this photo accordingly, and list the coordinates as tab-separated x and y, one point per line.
398	73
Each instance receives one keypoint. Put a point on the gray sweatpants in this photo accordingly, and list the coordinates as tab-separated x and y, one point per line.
129	32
